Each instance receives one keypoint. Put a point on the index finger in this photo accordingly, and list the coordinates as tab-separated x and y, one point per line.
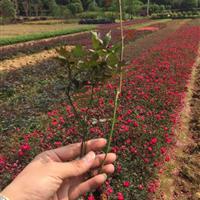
72	151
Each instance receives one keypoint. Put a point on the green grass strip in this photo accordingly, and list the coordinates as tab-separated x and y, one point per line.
44	35
137	26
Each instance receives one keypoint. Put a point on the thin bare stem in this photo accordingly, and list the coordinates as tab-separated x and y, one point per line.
119	89
122	43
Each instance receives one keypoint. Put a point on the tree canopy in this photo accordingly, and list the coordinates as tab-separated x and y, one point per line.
58	7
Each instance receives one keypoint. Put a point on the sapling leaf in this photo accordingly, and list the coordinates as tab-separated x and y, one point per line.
96	41
107	39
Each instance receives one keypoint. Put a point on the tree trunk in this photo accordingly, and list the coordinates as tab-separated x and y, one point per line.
148	6
26	7
16	7
36	9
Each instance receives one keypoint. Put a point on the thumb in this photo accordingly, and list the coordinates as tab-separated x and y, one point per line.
76	167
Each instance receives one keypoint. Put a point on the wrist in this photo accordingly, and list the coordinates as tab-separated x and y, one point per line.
2	197
12	193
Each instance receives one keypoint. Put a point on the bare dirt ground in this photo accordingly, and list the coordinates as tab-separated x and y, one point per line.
181	177
187	183
33	59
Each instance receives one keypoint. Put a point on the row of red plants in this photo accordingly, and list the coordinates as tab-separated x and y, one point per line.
77	39
153	90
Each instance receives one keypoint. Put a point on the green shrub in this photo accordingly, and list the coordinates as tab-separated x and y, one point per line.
7	9
93	6
98	15
89	15
75	7
65	12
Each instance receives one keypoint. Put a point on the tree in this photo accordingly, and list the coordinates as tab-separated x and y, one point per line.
75	6
16	4
93	6
133	7
148	7
86	3
7	9
53	8
26	6
37	6
188	4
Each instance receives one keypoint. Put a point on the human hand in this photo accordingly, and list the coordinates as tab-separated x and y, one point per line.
58	174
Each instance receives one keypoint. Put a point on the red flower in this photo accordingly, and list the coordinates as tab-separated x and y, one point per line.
140	187
91	197
150	148
120	196
25	147
135	124
163	150
54	122
126	183
167	158
153	141
133	150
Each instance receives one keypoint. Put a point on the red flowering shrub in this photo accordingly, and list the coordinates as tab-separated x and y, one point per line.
151	98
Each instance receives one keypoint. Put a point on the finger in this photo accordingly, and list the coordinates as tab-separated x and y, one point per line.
108	169
110	158
76	167
73	151
87	186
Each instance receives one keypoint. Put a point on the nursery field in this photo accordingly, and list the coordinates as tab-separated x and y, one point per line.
156	136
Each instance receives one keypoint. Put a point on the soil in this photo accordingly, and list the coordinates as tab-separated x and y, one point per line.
33	59
187	183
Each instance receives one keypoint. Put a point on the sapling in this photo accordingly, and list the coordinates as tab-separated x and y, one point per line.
116	102
89	68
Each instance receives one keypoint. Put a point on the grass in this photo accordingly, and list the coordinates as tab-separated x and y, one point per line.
43	35
137	26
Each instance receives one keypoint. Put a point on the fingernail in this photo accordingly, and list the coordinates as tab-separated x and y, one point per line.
105	176
89	157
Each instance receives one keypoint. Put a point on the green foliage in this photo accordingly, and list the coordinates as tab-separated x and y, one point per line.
7	9
133	7
92	66
98	15
176	15
93	6
53	8
75	7
65	12
189	4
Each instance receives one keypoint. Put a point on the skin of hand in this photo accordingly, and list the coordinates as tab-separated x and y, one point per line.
60	175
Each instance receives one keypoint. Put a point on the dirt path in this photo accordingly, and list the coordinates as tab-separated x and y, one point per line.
181	178
143	44
187	183
33	59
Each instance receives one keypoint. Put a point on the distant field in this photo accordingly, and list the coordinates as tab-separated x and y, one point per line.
13	30
16	33
150	23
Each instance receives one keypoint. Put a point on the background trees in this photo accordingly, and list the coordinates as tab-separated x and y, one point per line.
62	8
7	9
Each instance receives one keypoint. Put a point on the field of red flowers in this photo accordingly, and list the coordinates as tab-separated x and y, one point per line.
154	87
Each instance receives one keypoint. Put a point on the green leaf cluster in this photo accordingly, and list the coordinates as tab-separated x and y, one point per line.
93	66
